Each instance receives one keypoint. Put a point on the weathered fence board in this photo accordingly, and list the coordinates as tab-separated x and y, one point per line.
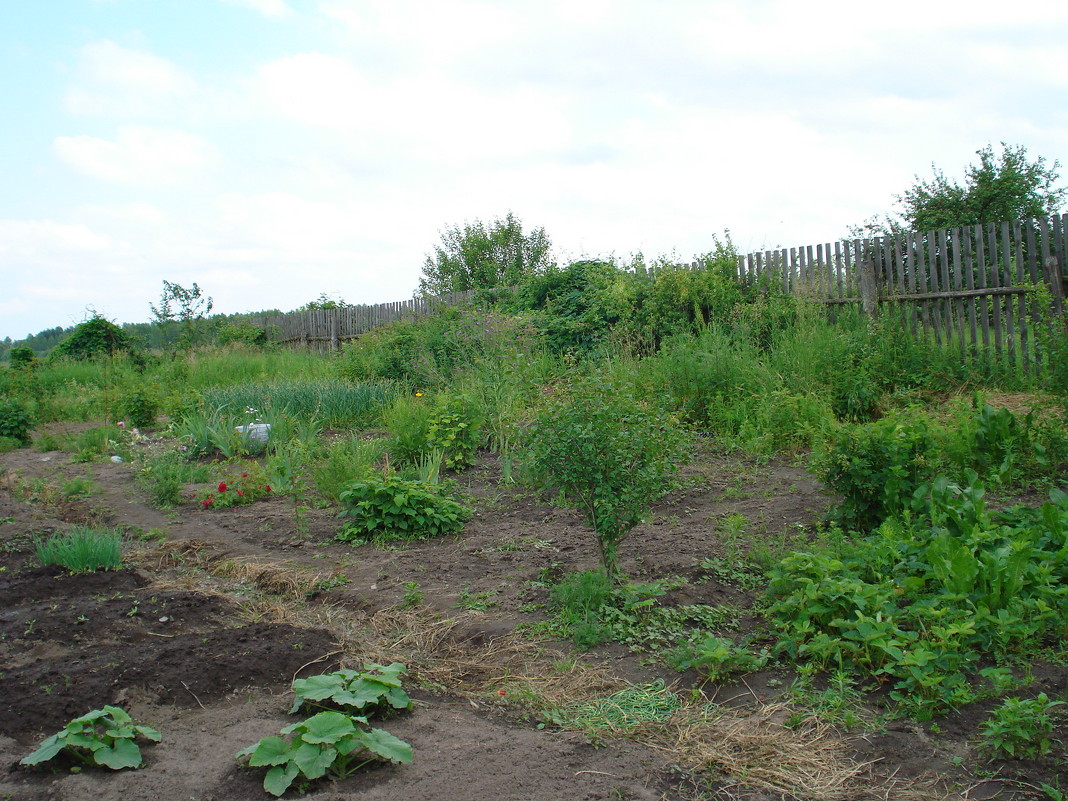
967	288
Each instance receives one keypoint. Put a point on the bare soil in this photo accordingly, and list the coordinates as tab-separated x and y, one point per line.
221	610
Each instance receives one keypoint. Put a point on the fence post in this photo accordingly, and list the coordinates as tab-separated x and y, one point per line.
333	330
869	292
1056	285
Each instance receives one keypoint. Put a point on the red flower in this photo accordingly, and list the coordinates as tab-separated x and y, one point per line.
269	488
207	501
244	475
222	486
239	492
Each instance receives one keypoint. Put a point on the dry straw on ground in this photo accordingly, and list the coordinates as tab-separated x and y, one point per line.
731	750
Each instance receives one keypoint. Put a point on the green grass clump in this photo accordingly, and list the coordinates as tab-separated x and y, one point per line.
81	550
332	401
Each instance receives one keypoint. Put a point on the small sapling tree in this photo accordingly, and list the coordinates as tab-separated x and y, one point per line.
608	452
192	305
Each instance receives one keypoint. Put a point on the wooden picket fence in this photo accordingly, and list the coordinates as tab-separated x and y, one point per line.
975	288
329	329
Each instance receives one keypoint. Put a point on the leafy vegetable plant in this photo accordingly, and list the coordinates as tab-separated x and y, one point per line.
329	743
103	737
716	658
377	688
1021	728
391	508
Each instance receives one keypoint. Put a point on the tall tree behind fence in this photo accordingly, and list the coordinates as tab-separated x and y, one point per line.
973	288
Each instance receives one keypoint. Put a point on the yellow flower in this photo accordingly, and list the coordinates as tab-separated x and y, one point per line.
418	394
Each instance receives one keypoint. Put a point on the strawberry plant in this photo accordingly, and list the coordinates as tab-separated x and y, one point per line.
104	737
377	688
329	743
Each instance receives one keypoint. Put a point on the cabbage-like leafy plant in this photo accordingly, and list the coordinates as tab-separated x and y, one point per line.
103	737
329	743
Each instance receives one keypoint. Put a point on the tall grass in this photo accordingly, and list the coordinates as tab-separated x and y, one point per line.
333	402
81	550
346	460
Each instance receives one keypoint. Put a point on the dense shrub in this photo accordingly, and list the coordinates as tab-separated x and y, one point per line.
876	467
607	452
918	604
15	420
21	356
97	336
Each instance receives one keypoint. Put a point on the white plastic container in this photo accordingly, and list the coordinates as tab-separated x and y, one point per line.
255	432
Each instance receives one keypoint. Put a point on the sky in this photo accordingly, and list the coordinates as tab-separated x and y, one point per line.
274	150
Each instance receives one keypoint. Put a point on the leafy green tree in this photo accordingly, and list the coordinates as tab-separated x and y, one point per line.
483	256
192	306
1005	186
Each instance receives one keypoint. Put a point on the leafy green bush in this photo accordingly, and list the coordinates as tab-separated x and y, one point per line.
916	605
715	658
1020	728
242	333
22	356
139	407
712	381
876	467
105	737
8	444
328	743
453	429
449	424
97	336
15	420
388	508
81	550
606	451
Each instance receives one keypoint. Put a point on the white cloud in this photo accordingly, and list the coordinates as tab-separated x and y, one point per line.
140	155
27	238
269	8
414	116
113	80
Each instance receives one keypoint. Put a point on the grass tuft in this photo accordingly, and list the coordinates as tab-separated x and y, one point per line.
82	550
